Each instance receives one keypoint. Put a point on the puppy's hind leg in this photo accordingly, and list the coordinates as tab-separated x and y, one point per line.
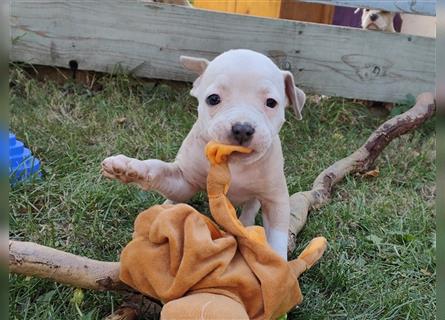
163	177
250	210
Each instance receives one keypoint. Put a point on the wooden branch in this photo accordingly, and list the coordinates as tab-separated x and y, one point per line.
359	161
124	313
31	259
136	306
35	260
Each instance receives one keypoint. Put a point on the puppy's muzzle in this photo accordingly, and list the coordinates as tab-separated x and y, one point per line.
242	132
373	17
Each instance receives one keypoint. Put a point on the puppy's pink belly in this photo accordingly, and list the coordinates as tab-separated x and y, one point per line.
239	196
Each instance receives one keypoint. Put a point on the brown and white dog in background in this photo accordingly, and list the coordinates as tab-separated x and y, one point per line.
412	24
377	20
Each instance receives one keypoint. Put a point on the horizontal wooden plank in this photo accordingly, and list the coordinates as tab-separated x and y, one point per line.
147	40
422	7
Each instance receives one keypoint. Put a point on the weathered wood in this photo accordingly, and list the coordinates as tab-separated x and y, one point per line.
360	161
147	40
421	7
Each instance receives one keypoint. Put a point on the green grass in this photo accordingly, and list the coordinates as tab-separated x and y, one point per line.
380	263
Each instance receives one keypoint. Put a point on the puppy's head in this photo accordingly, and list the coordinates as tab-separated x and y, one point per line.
378	20
242	96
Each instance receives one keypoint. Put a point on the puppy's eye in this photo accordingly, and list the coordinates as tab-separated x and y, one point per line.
213	100
271	103
366	10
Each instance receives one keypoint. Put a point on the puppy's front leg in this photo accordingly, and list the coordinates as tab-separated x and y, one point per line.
250	210
164	177
276	219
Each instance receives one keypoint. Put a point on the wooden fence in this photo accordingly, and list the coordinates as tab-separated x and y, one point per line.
146	39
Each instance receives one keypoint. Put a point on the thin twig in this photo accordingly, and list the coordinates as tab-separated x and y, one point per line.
359	161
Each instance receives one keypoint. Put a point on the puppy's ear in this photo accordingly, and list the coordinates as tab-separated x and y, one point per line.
295	95
197	65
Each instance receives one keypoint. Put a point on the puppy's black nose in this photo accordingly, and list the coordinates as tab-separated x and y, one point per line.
373	17
242	132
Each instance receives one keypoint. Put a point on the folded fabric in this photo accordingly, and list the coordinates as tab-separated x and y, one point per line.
207	270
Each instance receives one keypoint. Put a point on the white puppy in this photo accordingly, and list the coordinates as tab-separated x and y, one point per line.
378	20
242	98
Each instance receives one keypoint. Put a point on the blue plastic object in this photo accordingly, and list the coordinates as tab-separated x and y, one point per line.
22	165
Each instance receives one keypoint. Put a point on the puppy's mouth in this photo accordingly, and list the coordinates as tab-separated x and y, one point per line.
242	157
372	26
238	156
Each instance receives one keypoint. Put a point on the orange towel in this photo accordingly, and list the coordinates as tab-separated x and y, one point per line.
206	270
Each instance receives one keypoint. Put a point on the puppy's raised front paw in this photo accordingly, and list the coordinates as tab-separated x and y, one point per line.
125	169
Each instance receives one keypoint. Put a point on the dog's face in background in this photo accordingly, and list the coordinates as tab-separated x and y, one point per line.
242	97
378	20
